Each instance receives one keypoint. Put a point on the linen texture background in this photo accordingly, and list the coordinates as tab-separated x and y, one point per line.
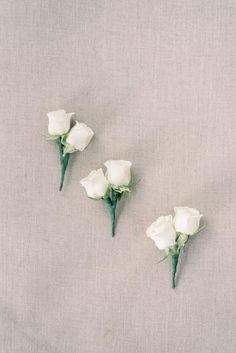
156	82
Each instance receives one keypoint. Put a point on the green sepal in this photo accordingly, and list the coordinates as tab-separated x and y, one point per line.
96	198
68	149
181	240
120	189
53	137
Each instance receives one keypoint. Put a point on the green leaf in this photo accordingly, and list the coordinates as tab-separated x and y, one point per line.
199	230
163	259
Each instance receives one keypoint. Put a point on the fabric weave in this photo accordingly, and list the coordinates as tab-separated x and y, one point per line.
155	80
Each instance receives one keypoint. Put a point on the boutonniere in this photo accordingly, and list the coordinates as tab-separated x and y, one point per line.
172	234
70	136
109	187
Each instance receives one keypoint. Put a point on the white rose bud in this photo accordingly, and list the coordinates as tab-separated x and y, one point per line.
96	185
186	220
162	232
59	122
118	172
79	136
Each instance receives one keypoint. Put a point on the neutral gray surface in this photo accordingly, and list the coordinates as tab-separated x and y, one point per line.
156	81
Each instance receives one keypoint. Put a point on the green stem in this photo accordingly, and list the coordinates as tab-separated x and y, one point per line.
113	219
63	170
64	159
174	261
111	202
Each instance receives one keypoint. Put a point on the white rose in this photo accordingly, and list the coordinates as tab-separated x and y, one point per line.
186	220
162	232
96	185
59	122
118	172
79	136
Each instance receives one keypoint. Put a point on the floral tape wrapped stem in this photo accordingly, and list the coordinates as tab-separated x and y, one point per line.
109	187
70	136
111	201
118	174
174	262
64	159
171	234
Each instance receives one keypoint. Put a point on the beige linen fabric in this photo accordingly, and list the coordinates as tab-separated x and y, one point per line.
156	82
